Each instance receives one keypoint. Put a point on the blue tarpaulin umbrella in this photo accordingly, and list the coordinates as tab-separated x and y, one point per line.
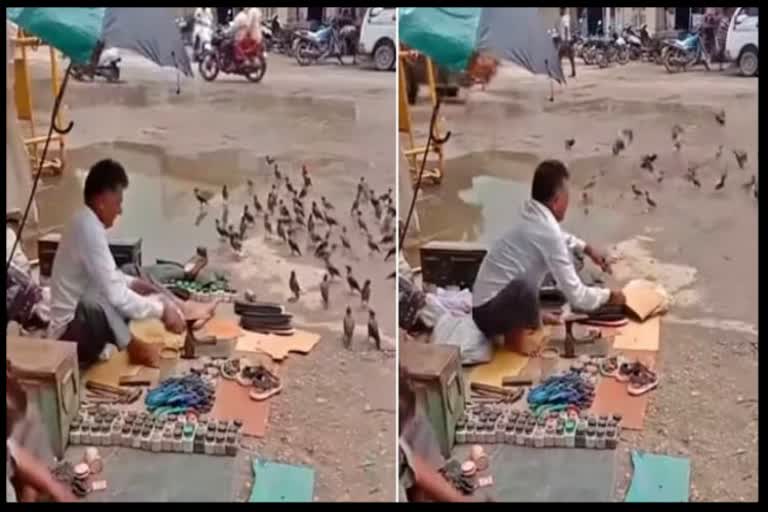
450	36
80	32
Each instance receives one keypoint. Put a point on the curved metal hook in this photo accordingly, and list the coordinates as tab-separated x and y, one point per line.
63	131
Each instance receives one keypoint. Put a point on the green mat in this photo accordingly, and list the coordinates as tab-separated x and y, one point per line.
659	479
274	482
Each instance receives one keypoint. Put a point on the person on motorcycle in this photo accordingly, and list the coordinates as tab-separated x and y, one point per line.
247	32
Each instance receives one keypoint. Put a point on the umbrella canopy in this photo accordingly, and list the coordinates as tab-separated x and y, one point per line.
78	31
450	36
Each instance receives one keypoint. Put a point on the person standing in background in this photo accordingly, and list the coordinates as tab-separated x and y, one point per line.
565	47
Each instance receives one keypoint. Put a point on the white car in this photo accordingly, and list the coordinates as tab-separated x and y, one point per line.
741	42
377	37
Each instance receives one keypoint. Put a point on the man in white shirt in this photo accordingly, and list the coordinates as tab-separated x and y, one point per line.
505	295
90	298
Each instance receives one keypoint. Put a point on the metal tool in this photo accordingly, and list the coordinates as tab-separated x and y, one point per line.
570	340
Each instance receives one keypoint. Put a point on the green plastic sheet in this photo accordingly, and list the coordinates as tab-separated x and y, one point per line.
74	31
274	482
448	36
659	479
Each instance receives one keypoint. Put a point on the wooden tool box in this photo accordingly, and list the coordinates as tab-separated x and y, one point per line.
124	251
48	371
451	263
437	380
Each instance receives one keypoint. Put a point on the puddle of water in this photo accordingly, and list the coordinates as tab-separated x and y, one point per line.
500	201
158	205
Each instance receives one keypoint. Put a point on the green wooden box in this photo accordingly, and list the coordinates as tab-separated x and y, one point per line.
49	373
438	382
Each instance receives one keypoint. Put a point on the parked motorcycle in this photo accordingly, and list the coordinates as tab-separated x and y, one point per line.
335	41
608	52
107	67
681	55
221	58
634	43
202	36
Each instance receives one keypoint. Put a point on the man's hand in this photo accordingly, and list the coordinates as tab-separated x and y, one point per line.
143	287
617	298
172	318
599	258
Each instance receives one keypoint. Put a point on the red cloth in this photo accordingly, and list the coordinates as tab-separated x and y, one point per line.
246	47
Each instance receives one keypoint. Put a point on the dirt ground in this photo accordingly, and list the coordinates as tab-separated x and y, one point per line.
700	244
336	412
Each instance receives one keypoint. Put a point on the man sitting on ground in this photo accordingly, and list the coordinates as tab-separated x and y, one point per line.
90	298
506	292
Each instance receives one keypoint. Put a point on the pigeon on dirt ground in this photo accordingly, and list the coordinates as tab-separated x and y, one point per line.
293	283
325	290
373	329
349	328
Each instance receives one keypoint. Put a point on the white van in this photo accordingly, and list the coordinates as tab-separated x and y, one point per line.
377	37
741	42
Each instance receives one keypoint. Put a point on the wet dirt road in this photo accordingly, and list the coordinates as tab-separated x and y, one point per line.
701	244
336	412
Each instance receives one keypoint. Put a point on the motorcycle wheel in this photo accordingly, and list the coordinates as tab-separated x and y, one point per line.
79	74
209	67
622	56
588	57
261	70
602	59
635	53
112	74
673	62
303	54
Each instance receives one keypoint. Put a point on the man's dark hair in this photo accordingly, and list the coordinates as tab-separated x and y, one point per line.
105	175
547	180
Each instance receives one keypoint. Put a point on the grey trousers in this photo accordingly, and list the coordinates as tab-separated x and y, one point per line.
95	324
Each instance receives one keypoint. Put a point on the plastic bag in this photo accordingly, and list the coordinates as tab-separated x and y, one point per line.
461	331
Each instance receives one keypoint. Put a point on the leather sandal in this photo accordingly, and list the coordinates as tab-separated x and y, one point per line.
642	380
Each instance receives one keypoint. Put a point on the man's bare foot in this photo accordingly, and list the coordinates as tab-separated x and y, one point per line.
144	354
551	319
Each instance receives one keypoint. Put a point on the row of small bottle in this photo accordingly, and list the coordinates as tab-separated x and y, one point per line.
170	436
561	431
220	296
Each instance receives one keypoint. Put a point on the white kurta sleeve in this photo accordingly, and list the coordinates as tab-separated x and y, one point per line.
112	283
580	296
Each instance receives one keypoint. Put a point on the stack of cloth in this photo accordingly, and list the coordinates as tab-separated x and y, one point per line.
264	317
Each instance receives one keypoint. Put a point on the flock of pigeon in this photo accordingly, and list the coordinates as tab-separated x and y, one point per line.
287	219
624	140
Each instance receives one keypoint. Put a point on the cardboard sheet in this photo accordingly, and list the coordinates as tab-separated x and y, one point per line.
277	347
505	363
643	298
152	330
232	402
639	336
109	372
611	395
659	479
222	328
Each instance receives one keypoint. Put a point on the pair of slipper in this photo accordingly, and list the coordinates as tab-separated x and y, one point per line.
263	383
639	378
